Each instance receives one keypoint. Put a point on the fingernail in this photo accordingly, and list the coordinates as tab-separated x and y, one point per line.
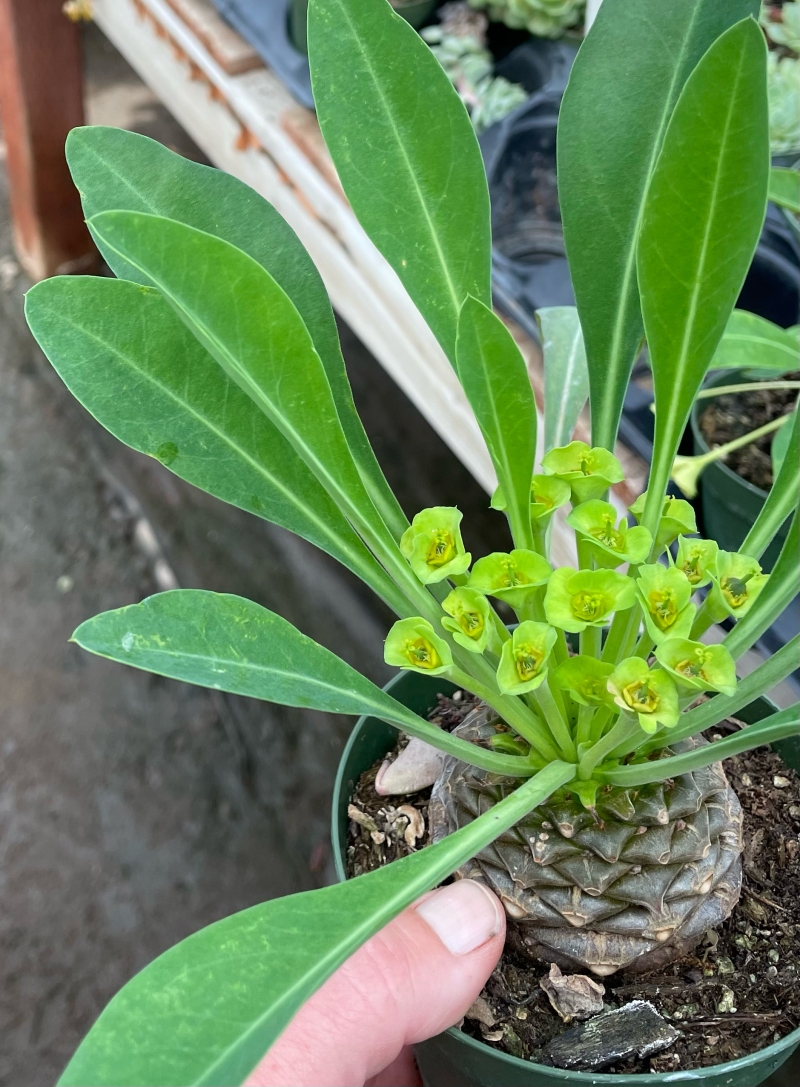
464	915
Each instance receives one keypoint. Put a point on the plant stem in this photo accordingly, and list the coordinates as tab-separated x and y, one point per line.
645	646
556	721
539	538
511	710
591	641
749	386
600	720
583	730
617	634
623	730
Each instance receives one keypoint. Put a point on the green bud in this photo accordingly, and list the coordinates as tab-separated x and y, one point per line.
677	517
586	792
511	577
471	623
737	584
414	644
586	679
523	664
576	599
589	472
610	543
665	594
433	544
698	666
548	493
650	694
697	559
509	744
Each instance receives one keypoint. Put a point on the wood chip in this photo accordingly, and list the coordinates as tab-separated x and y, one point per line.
480	1011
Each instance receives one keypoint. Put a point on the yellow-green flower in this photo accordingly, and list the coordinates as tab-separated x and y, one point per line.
737	584
576	599
414	644
650	694
589	472
677	517
610	543
523	664
697	559
586	679
548	493
433	544
511	576
665	595
698	666
471	619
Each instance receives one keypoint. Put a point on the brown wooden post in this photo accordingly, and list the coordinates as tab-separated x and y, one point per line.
41	99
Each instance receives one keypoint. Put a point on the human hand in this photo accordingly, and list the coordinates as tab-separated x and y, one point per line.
414	979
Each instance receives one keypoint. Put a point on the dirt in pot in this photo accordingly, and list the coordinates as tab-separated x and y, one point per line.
734	995
734	414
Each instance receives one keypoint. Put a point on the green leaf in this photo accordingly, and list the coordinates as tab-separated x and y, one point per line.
115	170
496	381
232	644
566	376
753	343
784	188
784	440
406	155
207	1010
700	228
124	354
776	727
611	125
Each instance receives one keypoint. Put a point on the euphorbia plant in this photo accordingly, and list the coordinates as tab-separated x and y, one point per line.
216	352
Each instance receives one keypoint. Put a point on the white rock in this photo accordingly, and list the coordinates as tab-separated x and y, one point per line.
416	767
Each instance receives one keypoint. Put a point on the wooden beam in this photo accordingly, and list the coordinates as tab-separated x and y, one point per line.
41	99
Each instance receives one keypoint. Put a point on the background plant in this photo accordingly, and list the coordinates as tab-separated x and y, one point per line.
216	352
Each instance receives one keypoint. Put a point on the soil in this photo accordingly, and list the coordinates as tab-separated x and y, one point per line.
734	414
735	994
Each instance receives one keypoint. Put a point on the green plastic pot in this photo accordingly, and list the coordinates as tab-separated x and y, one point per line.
416	13
729	503
453	1059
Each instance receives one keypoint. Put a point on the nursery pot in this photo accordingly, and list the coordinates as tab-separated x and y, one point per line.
454	1059
729	503
416	12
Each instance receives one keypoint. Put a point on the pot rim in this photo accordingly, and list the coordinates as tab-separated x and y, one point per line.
658	1079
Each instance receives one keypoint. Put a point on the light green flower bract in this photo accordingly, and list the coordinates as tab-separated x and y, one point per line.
697	559
414	644
701	667
586	679
589	472
548	493
576	599
650	694
665	594
737	584
433	544
471	622
677	516
611	544
510	576
523	664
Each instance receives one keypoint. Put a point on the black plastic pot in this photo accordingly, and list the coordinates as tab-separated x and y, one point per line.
453	1059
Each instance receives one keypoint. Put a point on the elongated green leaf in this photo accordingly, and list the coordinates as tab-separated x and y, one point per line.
125	355
784	493
116	170
700	229
781	589
207	1010
249	325
566	376
406	155
611	125
784	188
496	381
232	644
776	727
752	343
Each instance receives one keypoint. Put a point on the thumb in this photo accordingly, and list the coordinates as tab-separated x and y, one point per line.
414	979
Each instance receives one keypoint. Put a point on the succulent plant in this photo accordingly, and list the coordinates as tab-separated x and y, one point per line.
582	788
544	18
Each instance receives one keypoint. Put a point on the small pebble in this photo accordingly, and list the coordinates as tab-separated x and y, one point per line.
773	955
727	1002
772	971
781	782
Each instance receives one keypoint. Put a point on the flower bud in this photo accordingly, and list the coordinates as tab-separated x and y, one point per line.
413	643
471	619
649	694
665	595
586	679
677	517
548	493
576	599
737	584
610	544
511	576
697	559
589	472
523	664
698	666
433	544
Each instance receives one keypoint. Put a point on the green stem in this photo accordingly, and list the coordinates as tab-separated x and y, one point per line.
524	722
583	730
618	634
585	561
688	470
748	386
600	720
539	537
590	642
645	646
622	731
556	721
706	617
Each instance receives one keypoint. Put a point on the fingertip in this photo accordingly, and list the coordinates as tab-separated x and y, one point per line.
465	915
